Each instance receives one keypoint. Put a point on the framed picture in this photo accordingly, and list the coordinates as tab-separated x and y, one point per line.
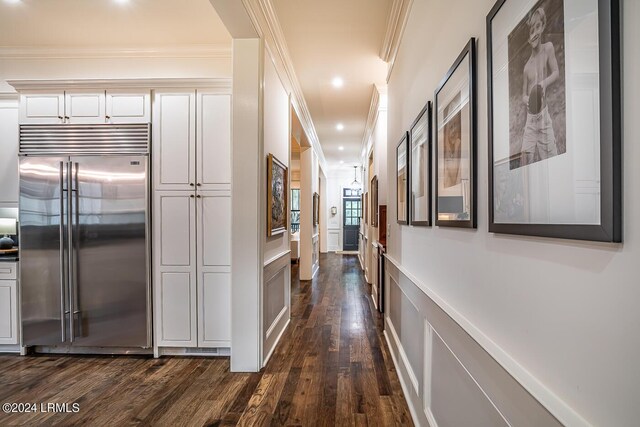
362	206
316	208
366	208
455	123
420	184
402	180
277	195
555	157
374	201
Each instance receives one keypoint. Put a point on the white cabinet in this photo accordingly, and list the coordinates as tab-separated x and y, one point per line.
128	106
9	152
174	133
8	303
192	218
85	106
192	140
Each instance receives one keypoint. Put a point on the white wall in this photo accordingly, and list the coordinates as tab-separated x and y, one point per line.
562	315
276	300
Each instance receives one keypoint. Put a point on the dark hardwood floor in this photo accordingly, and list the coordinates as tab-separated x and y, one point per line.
332	367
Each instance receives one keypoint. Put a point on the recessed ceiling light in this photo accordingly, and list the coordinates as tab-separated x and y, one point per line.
339	126
341	148
341	162
337	82
121	1
13	1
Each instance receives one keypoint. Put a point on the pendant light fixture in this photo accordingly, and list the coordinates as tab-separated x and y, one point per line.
355	185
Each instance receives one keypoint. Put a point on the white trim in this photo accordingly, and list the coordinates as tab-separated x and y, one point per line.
8	96
547	398
172	83
395	30
275	343
275	258
403	384
276	321
193	352
222	51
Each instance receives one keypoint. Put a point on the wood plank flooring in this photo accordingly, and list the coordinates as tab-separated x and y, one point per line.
332	367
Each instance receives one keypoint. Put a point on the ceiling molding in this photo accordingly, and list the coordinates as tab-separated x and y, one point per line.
8	96
395	29
372	118
216	51
212	83
266	22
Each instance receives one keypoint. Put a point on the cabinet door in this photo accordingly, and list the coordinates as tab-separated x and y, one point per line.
175	280
85	106
42	108
214	268
213	141
174	140
128	106
9	152
8	312
214	325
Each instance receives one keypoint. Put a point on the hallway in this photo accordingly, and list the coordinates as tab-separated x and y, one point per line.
332	367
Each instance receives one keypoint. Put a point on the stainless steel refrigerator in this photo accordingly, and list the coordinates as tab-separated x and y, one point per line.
84	230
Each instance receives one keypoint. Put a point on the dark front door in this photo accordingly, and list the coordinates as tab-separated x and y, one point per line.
352	210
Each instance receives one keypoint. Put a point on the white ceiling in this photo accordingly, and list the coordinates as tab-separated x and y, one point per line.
109	23
328	38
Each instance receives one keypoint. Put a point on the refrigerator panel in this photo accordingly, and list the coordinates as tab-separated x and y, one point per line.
109	274
42	254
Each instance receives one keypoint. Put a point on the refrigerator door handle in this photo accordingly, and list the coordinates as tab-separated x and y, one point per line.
76	223
63	312
70	252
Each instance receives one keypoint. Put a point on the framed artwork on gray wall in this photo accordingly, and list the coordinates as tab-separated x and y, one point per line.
402	180
455	143
555	157
420	183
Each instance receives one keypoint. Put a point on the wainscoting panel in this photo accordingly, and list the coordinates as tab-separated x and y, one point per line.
447	377
276	302
333	240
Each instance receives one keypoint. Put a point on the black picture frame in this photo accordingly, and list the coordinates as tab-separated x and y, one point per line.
609	49
428	174
374	201
468	51
404	142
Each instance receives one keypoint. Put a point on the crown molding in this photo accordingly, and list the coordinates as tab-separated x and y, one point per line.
216	51
395	29
265	21
212	83
9	96
375	107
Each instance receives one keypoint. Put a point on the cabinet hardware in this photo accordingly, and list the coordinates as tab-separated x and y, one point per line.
198	196
198	184
191	184
192	196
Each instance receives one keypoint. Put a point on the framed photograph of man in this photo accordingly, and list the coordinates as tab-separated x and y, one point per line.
420	189
316	209
374	201
455	145
402	180
277	196
555	119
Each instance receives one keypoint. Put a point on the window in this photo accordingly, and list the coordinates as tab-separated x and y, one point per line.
295	210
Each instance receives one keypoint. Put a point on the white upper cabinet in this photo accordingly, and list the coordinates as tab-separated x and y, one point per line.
174	126
214	140
126	106
84	106
42	108
9	152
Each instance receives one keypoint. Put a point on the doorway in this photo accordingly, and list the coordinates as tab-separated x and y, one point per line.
351	214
